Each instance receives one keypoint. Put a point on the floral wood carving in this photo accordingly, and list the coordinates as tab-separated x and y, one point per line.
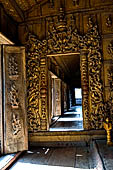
16	124
95	82
109	102
110	48
13	67
14	96
36	84
63	39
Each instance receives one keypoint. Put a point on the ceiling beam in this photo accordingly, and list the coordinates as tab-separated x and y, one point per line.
18	9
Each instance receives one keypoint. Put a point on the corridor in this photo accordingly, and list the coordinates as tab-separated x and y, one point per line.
69	121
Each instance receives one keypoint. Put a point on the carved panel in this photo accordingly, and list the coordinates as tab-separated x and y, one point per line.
85	88
107	65
107	47
43	94
14	106
36	84
107	25
100	2
74	4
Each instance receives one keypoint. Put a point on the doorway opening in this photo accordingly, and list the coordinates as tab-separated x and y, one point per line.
65	95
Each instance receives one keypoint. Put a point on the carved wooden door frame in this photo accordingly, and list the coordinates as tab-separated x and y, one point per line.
65	40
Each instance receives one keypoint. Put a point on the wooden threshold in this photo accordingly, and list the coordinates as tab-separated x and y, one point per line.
70	136
7	160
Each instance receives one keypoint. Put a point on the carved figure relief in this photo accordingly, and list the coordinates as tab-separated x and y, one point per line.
13	67
14	96
16	124
109	21
110	48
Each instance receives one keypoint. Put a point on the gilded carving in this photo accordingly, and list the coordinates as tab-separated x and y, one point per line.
110	48
95	82
85	88
16	124
13	67
14	97
36	84
63	39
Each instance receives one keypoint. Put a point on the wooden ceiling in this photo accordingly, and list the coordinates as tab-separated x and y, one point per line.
17	8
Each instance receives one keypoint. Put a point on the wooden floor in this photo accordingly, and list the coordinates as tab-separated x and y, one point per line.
70	121
78	157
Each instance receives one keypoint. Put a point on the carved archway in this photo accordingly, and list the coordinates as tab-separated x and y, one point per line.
64	39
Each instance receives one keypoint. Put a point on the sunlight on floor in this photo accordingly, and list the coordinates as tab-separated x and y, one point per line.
65	129
29	166
5	159
69	119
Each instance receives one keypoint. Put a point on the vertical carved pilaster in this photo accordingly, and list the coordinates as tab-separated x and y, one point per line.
43	93
85	90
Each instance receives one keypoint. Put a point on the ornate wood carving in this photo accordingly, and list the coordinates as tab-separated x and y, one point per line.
16	124
63	39
109	102
36	84
85	88
14	99
95	82
14	106
110	48
13	67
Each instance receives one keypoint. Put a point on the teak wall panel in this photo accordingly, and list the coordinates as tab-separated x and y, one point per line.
107	22
71	5
95	3
47	10
106	41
